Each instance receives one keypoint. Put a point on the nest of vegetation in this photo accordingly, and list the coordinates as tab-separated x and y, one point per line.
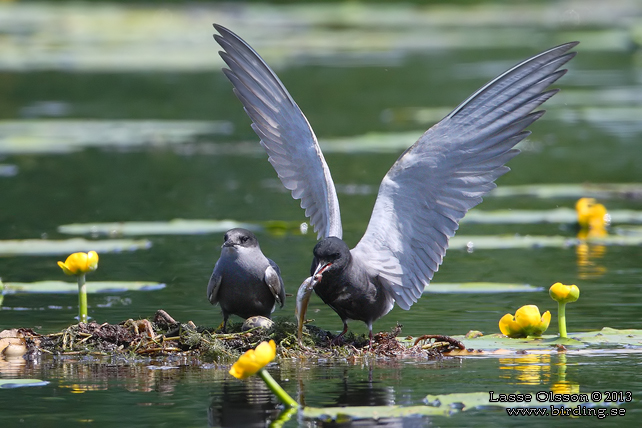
163	336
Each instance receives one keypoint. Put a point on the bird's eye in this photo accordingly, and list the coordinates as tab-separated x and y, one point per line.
225	238
244	239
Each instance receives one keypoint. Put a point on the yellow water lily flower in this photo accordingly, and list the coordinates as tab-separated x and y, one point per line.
564	293
80	263
526	322
254	360
591	215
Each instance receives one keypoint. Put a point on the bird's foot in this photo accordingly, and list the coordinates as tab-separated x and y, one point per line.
337	341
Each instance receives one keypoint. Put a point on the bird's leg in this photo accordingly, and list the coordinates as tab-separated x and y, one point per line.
225	324
337	340
370	337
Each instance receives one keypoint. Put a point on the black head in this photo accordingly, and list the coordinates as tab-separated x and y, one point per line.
240	238
330	255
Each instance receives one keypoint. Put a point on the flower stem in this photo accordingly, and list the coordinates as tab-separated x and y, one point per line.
284	417
277	390
82	298
561	318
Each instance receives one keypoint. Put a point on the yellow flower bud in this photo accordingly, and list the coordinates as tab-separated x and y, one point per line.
526	322
80	263
254	360
564	293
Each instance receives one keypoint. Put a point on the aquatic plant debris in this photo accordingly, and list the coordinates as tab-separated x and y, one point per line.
163	336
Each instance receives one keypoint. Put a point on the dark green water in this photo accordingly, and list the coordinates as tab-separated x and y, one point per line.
226	177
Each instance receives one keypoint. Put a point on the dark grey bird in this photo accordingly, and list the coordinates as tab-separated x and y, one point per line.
421	199
244	281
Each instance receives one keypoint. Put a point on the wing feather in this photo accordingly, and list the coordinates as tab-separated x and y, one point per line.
284	131
447	171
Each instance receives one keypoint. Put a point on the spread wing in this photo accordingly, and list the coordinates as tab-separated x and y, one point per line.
284	131
447	171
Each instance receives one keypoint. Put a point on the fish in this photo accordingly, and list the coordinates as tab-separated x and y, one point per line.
302	300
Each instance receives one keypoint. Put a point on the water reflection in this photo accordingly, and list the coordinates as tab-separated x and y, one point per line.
243	404
529	369
539	369
589	255
88	373
564	386
593	220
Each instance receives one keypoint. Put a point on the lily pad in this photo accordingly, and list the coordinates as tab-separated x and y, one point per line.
607	337
558	215
62	287
437	405
479	287
45	247
502	242
19	383
570	191
345	414
7	170
172	227
64	136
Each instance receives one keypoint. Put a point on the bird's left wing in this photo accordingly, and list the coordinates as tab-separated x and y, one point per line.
447	171
273	280
284	131
214	285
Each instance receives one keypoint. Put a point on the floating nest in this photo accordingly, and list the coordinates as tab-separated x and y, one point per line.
164	336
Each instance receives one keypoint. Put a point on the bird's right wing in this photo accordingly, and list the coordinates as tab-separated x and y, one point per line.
284	131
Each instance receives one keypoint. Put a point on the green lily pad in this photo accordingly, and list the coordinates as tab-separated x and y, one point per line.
570	191
64	136
45	247
19	383
605	338
93	287
558	215
345	414
479	287
172	227
437	405
371	142
502	242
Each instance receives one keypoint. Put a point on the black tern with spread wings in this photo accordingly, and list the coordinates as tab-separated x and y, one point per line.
421	199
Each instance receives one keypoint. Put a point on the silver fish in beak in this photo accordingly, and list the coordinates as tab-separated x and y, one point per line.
302	300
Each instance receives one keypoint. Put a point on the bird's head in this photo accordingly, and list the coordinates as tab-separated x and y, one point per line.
237	238
330	255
